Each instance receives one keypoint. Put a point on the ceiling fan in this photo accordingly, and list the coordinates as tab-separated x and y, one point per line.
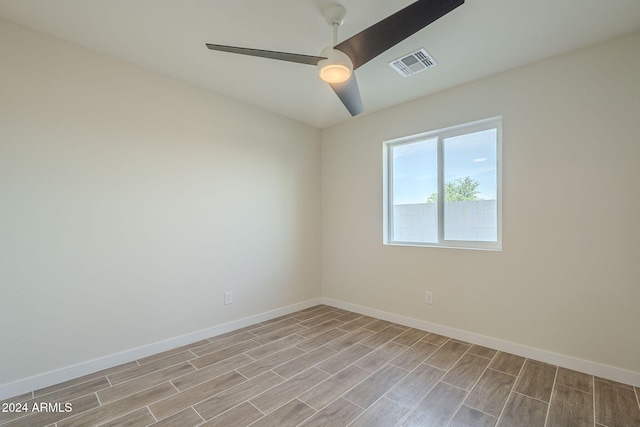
337	62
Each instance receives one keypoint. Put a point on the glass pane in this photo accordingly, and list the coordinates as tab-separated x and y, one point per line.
415	185
470	177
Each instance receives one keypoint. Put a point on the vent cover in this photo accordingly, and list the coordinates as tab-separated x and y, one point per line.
413	63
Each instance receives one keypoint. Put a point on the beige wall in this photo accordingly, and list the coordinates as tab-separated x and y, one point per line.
568	278
129	202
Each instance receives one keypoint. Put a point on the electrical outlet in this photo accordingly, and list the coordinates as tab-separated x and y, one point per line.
228	298
428	297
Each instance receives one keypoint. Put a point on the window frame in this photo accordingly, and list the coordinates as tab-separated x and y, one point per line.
440	135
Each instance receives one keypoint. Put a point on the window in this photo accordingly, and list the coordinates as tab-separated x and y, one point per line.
443	188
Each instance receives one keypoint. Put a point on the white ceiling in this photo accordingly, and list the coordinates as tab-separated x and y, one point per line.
480	38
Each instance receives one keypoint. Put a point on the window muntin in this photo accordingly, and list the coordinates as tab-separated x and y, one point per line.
442	188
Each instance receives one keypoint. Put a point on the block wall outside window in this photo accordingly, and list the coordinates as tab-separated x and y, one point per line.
443	188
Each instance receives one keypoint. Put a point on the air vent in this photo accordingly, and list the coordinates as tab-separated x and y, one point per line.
413	63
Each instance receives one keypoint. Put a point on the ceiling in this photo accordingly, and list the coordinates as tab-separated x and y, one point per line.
480	38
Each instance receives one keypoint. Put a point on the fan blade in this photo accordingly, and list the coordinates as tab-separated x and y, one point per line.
349	95
282	56
371	42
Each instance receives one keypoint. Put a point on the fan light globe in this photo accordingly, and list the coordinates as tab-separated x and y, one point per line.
337	68
335	73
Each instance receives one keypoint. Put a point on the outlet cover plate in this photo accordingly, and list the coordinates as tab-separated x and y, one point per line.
428	297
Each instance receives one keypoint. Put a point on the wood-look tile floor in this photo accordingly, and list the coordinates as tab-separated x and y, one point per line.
328	367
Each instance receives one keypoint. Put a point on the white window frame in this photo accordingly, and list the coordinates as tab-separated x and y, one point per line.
440	135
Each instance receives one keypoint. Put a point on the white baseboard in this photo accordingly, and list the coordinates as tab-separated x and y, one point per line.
50	378
586	366
68	373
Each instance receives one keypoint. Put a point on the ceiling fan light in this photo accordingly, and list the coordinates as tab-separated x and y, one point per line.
337	68
335	73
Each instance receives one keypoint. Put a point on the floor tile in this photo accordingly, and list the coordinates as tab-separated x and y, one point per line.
326	392
414	355
358	323
491	392
339	361
383	413
242	415
174	351
435	339
437	407
573	379
138	384
19	398
265	364
284	392
66	394
113	410
140	418
138	371
523	411
194	395
380	356
614	383
615	406
275	346
570	408
348	316
507	363
382	336
306	314
279	334
468	417
374	386
217	356
187	417
289	415
447	355
325	338
78	405
349	339
338	413
83	379
234	396
466	372
304	362
314	331
410	337
481	351
273	326
326	366
209	372
536	380
377	325
318	320
222	344
415	385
